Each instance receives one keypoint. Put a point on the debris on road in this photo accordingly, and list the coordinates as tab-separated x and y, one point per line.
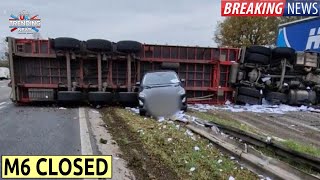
103	141
62	108
192	169
264	108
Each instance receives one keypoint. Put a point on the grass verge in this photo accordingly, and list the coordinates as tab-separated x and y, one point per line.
303	148
174	151
291	144
230	123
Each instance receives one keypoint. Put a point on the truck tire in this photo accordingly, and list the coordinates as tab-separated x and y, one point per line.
129	46
257	58
128	98
249	92
66	43
283	52
70	96
248	100
276	97
142	112
260	50
99	45
100	97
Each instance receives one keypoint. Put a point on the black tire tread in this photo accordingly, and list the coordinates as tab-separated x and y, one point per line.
129	46
260	50
66	43
99	45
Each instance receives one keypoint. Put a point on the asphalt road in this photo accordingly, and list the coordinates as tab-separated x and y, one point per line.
28	130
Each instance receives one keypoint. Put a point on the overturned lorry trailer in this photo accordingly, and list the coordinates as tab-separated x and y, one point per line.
102	72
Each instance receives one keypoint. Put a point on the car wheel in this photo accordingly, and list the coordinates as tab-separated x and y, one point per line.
66	43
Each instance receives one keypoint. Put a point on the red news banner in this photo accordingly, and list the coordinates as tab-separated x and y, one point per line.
252	7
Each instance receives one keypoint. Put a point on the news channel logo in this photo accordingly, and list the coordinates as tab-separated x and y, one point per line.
24	23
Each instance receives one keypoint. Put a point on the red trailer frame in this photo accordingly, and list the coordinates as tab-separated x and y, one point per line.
38	71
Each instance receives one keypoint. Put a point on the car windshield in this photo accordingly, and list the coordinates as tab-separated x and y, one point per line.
158	78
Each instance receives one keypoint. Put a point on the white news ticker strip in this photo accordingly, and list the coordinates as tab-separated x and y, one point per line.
86	148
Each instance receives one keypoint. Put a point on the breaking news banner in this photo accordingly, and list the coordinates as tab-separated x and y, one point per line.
270	7
38	167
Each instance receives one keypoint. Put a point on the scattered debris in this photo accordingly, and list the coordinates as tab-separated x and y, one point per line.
215	129
62	108
103	141
232	158
268	139
196	148
219	161
231	178
169	139
189	133
161	119
94	111
264	108
192	169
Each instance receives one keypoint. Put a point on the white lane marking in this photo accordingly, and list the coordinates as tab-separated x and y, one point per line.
86	148
2	103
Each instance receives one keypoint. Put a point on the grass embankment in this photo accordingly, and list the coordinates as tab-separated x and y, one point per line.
291	144
225	122
164	151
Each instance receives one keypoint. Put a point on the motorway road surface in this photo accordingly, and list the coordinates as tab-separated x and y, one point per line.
27	130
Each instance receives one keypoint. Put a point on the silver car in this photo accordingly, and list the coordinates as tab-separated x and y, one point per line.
161	94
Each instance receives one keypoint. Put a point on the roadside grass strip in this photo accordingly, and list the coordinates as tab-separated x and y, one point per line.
188	155
289	143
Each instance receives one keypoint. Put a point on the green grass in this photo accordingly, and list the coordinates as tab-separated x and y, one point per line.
179	153
230	123
303	148
291	144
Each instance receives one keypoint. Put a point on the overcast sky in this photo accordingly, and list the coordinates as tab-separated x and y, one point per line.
176	22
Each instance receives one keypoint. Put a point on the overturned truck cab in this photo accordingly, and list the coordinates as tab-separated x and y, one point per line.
278	75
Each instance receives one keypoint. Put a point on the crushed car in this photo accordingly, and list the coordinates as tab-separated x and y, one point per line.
161	94
279	75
